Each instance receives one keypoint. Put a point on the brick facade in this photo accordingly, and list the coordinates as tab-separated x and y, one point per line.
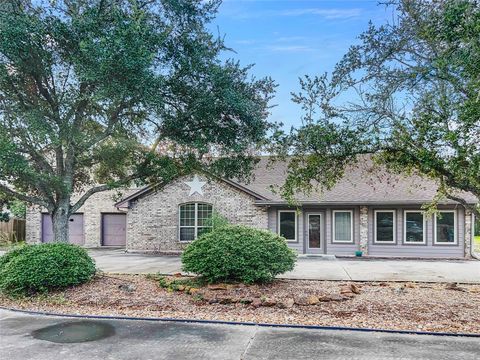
92	210
152	220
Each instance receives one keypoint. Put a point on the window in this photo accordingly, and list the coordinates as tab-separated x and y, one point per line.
445	228
287	224
414	227
385	226
342	226
194	220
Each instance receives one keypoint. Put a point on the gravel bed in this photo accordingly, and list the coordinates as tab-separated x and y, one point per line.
399	306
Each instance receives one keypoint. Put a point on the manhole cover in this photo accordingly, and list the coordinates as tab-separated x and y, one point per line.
75	332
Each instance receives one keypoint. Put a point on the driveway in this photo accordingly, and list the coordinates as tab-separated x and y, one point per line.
42	338
462	271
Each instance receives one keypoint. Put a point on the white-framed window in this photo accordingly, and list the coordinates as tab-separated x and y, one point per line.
445	227
287	224
385	227
414	227
194	219
342	226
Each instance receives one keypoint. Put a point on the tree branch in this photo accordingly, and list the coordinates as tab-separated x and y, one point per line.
30	199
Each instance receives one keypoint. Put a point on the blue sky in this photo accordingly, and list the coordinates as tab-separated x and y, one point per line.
286	39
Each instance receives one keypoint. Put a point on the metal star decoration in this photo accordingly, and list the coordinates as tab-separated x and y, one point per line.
195	186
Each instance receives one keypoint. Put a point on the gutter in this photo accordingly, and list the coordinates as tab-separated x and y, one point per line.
347	203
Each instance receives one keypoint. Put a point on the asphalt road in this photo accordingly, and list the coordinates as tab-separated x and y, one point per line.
41	338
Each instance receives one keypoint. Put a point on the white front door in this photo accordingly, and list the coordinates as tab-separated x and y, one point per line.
315	233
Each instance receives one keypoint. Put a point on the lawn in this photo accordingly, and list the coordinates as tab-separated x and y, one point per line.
476	243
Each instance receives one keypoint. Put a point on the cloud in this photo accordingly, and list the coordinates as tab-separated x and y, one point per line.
331	13
325	13
289	48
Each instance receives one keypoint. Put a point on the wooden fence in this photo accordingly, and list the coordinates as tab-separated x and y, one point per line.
12	231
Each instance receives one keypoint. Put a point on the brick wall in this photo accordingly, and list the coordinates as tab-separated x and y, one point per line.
92	210
152	221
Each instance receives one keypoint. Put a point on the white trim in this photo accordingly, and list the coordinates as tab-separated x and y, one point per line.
334	241
455	230
321	231
394	212
195	226
296	222
424	228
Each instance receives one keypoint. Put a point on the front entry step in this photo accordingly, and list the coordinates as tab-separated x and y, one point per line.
318	256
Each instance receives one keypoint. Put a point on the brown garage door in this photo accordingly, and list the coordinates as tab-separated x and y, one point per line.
75	229
113	229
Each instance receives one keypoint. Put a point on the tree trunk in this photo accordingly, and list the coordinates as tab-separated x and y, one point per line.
60	218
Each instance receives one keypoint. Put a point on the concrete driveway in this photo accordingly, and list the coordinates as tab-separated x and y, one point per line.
43	338
462	271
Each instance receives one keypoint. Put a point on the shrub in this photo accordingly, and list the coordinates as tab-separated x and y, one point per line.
41	268
238	253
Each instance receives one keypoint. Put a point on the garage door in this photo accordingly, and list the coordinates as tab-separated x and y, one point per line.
75	229
113	229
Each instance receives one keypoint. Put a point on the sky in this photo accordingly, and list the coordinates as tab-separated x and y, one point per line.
287	39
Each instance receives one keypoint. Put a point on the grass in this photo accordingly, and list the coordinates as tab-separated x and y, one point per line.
7	246
476	242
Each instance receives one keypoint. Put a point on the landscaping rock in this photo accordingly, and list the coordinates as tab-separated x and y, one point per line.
127	287
350	290
354	289
193	290
245	301
286	304
269	302
227	300
301	300
217	287
454	286
313	300
256	303
333	297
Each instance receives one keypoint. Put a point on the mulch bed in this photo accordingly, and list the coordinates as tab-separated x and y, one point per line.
399	306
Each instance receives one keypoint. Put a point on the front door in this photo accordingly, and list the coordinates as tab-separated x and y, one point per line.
315	233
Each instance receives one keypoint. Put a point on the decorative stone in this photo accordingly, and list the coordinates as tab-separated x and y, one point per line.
269	302
301	300
454	286
286	304
217	287
313	300
333	297
127	287
256	303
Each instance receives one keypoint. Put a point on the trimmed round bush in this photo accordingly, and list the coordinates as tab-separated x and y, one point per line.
238	254
41	268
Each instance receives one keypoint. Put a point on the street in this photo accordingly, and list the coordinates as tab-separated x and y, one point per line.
37	337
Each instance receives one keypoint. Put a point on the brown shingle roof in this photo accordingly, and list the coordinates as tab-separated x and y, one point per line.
361	184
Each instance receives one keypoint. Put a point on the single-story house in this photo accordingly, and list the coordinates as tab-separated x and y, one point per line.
375	212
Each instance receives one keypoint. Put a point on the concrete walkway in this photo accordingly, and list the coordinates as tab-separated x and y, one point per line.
43	338
462	271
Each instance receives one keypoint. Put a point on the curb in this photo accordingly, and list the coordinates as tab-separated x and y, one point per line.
224	322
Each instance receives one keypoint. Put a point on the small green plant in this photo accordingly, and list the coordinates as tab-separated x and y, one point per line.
41	268
238	254
180	284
